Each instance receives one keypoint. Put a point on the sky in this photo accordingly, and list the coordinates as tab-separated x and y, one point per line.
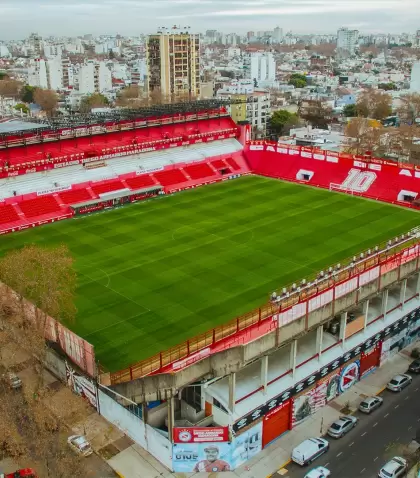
18	18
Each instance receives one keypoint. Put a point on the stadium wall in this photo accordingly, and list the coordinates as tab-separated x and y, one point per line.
358	175
146	436
78	350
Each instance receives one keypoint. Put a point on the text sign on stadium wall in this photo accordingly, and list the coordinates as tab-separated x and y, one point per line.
201	435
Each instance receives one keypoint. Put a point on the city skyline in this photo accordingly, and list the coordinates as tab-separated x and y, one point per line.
131	17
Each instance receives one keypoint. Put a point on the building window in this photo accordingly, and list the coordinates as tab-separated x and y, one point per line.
217	404
192	396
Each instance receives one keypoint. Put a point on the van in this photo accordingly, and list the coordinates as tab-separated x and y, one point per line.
309	450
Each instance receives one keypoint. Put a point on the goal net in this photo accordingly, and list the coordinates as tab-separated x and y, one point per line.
341	188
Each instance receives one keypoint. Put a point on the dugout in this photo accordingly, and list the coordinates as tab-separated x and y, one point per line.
115	199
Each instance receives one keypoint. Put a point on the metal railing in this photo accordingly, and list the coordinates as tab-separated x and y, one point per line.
291	295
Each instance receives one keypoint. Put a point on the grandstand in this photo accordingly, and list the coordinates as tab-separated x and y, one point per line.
202	257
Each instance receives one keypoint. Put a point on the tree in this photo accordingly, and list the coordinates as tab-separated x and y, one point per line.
282	121
362	136
22	107
96	100
350	111
28	427
387	86
129	95
374	104
46	99
27	94
10	88
317	113
297	83
297	80
409	109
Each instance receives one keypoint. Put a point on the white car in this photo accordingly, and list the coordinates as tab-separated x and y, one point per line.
399	382
80	445
370	404
394	468
320	472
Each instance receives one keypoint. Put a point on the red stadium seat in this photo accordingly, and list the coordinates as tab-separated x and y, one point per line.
8	214
107	187
39	206
170	177
143	181
75	195
199	171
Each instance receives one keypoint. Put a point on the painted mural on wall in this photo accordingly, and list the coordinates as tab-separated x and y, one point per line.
349	375
201	457
246	445
309	402
82	386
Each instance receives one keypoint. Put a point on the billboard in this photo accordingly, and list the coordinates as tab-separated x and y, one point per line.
201	434
201	457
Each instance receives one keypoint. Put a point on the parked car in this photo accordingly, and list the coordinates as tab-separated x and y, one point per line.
370	404
320	472
399	382
342	426
23	473
80	445
309	450
12	380
394	468
414	366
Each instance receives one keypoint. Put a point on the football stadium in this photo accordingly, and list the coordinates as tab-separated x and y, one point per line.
154	274
227	288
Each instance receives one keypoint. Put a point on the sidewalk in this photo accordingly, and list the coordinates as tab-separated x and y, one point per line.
134	462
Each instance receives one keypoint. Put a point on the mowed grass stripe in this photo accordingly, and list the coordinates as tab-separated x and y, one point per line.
153	274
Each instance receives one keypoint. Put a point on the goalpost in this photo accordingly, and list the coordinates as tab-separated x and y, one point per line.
341	188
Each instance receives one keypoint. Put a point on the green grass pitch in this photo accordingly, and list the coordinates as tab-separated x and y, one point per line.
153	274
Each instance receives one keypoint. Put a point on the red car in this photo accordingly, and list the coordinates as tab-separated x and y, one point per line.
24	473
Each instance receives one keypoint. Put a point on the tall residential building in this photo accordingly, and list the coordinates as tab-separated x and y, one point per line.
416	43
261	67
277	35
415	78
347	40
94	77
174	64
46	73
253	105
35	42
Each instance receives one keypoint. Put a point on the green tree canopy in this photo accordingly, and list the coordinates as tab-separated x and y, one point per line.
27	94
282	120
96	100
297	82
22	107
350	111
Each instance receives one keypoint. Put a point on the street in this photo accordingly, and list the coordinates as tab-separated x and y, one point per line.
366	448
